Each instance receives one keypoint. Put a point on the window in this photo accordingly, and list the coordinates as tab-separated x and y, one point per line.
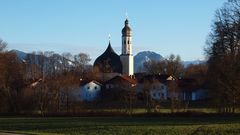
154	94
95	87
88	87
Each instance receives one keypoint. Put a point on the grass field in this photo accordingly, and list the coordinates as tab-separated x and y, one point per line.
123	126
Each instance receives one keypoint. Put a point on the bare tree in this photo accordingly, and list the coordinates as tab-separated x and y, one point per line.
81	60
66	61
223	52
11	81
172	65
3	45
154	67
129	97
174	95
148	101
197	72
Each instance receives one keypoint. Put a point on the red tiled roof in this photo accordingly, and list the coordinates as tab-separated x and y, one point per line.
158	77
122	79
129	79
84	82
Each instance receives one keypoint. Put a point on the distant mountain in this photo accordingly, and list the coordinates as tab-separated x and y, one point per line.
21	55
56	61
52	63
193	62
143	57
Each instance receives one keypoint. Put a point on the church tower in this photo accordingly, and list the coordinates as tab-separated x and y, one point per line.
127	55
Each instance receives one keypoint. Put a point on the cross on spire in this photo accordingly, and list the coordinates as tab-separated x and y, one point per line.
109	37
126	15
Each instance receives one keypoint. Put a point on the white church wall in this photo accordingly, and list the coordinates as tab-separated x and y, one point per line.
127	63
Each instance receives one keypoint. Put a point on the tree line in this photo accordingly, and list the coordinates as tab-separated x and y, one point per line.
223	52
42	81
221	73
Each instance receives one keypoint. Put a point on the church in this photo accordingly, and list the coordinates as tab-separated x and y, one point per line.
110	64
116	72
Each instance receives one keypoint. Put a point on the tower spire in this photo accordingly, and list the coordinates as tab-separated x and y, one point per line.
127	56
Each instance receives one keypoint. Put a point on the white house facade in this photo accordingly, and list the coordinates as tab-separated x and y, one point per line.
158	91
89	91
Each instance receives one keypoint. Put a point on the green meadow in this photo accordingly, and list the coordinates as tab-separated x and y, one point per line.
123	125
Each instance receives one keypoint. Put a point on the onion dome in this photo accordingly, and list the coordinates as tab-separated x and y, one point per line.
126	31
108	62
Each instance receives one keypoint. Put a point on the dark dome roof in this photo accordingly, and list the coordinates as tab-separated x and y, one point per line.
126	31
108	62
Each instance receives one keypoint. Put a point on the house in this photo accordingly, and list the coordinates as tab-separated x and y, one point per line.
88	91
156	85
191	90
200	94
121	82
158	90
118	87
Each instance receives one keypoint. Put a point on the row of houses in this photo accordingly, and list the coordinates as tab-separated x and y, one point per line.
159	87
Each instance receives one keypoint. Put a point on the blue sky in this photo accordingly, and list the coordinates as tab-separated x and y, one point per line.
174	26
